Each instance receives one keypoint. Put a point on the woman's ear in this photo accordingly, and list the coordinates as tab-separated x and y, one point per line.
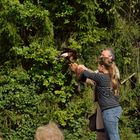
101	68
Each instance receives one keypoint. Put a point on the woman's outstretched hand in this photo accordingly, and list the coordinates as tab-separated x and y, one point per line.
77	69
73	67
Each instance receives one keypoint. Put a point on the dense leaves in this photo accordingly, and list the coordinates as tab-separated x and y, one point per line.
35	83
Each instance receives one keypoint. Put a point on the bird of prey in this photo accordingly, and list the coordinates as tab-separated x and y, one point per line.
69	54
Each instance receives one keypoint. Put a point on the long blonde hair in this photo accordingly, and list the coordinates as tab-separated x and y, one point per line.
111	67
49	132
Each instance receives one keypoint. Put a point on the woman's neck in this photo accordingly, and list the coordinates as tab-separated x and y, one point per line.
105	71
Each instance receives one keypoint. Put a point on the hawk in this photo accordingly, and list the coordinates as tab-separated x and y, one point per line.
69	54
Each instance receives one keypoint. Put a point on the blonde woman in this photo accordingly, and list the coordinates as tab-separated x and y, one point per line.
108	53
107	91
49	132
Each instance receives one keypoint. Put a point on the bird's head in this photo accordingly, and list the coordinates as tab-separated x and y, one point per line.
69	54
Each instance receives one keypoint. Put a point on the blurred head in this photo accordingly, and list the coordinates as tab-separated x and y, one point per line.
109	53
104	64
49	132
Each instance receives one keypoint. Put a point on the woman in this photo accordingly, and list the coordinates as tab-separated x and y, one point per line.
107	91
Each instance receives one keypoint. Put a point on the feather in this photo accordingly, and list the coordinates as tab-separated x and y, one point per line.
64	54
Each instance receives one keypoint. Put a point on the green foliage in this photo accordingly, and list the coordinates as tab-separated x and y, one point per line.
122	39
129	124
36	85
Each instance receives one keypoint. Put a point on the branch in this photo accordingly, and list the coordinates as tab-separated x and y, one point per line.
122	82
